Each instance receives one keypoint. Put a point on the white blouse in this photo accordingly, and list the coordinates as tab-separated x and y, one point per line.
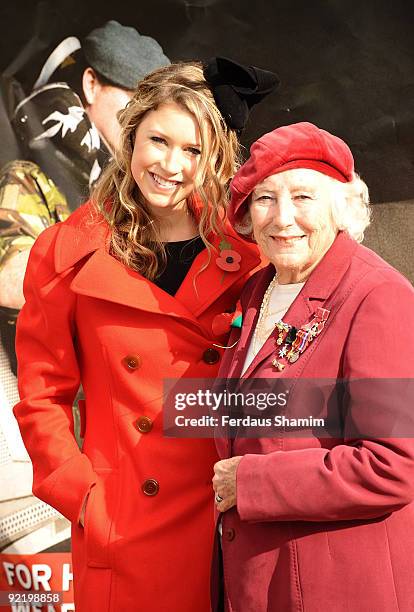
280	300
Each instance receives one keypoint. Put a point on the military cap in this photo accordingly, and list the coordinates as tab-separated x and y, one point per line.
121	54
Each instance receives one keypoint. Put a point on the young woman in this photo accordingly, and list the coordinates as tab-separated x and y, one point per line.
120	297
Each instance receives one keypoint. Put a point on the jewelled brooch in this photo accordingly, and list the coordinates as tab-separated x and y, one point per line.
293	342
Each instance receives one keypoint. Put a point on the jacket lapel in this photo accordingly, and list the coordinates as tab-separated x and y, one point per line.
316	292
104	277
250	316
206	281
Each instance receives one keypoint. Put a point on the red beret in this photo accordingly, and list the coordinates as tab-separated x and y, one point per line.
301	145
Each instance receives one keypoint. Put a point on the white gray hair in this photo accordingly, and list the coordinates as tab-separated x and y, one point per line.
351	211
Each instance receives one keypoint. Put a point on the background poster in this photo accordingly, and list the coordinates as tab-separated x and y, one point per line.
345	65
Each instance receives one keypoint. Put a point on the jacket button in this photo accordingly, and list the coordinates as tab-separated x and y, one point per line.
143	424
132	362
229	534
211	356
150	487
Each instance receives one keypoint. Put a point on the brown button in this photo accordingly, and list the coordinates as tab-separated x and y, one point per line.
143	424
132	362
229	534
211	356
150	487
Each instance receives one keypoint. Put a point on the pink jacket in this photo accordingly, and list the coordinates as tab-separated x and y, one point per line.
328	524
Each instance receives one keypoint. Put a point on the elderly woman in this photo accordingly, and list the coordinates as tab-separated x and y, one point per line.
318	523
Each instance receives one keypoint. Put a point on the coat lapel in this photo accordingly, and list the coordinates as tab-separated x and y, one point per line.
316	292
104	277
250	316
206	281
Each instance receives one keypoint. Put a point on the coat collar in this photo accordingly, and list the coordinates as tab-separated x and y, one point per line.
102	276
81	234
318	288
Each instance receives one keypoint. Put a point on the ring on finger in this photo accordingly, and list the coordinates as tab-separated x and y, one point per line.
218	498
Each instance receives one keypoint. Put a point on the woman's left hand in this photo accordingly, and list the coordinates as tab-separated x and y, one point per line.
224	483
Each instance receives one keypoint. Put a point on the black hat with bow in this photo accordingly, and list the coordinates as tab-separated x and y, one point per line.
236	88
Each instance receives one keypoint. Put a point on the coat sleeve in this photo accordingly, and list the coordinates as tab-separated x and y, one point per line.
360	478
48	380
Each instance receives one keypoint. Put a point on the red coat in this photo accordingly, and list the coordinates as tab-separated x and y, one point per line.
146	544
323	524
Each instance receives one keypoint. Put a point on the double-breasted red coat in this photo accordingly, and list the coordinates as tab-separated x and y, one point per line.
88	319
325	524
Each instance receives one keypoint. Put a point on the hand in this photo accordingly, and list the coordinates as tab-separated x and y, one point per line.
11	280
82	513
224	482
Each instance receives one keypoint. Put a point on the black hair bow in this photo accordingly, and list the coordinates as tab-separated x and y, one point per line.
236	88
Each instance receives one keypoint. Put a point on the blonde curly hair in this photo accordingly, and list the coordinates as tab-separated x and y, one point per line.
135	235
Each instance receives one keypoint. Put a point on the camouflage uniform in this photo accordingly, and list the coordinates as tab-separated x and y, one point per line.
54	131
29	202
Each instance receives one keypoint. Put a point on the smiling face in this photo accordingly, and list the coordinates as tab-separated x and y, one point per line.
165	158
292	221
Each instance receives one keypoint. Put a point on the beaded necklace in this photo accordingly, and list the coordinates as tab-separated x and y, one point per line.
260	334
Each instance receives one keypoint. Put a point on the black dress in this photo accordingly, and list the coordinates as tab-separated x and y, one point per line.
180	256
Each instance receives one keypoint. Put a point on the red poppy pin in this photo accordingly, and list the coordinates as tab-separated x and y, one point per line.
229	260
